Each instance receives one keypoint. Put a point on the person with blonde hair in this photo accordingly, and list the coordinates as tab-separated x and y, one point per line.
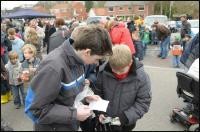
33	38
125	84
31	61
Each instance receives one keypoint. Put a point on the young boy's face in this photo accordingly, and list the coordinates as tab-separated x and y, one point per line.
14	60
28	54
91	59
122	70
11	37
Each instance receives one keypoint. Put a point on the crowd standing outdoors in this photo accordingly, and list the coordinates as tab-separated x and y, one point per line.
107	55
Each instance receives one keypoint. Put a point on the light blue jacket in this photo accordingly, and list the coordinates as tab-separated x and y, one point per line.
17	45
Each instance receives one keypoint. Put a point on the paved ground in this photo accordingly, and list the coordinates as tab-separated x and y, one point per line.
164	99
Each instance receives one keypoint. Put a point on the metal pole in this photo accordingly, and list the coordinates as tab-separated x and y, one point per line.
160	7
170	10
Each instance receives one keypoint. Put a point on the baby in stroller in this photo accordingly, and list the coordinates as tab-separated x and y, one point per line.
188	89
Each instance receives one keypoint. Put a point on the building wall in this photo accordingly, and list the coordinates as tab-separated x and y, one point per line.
126	11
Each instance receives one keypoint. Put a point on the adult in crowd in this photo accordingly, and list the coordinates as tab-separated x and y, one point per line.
6	45
49	30
58	37
40	33
130	25
50	105
120	34
191	52
163	36
185	29
33	38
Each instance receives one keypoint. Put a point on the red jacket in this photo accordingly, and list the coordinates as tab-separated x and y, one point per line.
120	35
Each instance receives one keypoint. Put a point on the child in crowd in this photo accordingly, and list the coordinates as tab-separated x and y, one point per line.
30	63
16	42
14	68
145	37
124	83
176	50
138	43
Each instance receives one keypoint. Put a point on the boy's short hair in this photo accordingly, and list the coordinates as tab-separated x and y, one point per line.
59	22
96	38
13	55
31	47
11	31
121	56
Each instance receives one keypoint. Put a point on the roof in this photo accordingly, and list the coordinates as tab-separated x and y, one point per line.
122	3
27	13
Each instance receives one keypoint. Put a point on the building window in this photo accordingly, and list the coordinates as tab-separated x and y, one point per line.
110	9
141	8
120	8
129	8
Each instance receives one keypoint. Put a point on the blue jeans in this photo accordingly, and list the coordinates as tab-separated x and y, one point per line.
16	95
139	50
176	60
144	48
164	47
154	39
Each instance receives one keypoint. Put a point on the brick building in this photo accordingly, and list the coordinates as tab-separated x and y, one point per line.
126	9
69	10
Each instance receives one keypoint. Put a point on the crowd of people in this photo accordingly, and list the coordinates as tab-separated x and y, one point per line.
107	55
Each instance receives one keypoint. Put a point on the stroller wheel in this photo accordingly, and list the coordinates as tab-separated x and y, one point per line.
172	118
194	127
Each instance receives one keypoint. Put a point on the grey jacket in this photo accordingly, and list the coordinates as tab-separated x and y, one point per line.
56	39
185	29
52	91
14	72
129	98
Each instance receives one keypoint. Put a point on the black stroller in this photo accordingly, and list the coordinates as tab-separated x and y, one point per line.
188	89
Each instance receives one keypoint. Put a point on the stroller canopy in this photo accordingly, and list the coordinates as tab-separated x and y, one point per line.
28	13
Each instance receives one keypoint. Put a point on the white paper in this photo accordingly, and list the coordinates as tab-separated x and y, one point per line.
100	105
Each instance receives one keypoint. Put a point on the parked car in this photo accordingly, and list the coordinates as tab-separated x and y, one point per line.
95	19
194	27
149	20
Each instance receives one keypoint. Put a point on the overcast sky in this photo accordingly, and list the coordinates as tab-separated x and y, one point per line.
11	4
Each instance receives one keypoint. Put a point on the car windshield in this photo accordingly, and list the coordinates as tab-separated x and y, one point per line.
194	23
151	20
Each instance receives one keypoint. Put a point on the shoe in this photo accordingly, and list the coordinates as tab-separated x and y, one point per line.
4	99
159	56
10	96
163	57
17	106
